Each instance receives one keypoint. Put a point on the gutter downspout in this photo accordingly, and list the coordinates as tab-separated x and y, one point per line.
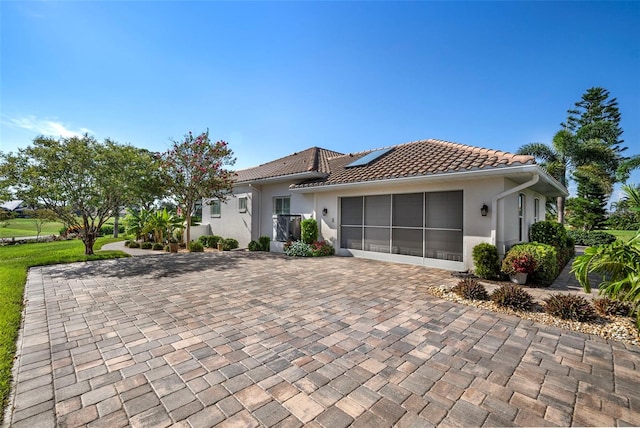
494	204
258	205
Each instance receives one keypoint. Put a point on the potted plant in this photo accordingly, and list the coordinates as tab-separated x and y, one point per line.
174	246
518	266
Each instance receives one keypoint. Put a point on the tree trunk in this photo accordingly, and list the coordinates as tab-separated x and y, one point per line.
115	224
187	217
89	239
560	204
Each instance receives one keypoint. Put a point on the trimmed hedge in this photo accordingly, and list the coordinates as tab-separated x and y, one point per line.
590	238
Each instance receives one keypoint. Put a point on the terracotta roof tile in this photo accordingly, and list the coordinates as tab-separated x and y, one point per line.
425	157
313	159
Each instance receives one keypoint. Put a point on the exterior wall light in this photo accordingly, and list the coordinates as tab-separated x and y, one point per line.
325	211
484	210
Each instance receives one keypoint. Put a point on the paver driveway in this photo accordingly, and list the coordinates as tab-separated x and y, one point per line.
248	339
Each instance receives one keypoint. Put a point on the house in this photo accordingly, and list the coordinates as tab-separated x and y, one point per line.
16	207
426	202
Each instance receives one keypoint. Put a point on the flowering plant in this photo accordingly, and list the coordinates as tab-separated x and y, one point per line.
524	264
518	262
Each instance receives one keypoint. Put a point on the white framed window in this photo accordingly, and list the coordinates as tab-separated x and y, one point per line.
536	210
215	208
282	205
521	201
242	204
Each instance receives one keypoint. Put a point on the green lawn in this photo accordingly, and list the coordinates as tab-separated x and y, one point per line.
624	235
14	263
19	227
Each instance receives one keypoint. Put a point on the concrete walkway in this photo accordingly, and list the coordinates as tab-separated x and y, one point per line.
256	339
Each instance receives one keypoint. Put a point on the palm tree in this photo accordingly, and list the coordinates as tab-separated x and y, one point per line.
618	263
569	153
555	159
137	222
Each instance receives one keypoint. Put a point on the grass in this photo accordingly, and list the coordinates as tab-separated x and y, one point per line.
22	227
623	235
15	261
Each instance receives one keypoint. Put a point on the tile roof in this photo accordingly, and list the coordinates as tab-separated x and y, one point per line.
424	157
313	159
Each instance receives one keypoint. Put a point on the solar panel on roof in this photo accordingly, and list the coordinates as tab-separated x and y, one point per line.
369	157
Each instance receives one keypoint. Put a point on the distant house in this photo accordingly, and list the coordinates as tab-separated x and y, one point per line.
427	202
17	207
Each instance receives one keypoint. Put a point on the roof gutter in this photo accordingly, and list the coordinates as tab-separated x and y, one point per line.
289	177
494	204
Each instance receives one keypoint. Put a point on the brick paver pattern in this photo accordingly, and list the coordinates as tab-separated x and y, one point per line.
256	339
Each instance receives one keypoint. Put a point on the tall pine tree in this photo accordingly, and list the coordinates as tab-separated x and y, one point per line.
595	121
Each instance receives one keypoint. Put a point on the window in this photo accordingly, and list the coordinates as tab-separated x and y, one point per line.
215	208
242	205
536	210
282	205
521	217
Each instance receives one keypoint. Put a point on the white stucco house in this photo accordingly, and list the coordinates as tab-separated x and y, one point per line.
427	202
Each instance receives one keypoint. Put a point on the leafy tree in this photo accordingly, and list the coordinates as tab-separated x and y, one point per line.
39	217
194	169
83	181
143	186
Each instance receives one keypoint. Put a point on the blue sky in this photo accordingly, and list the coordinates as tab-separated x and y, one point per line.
273	78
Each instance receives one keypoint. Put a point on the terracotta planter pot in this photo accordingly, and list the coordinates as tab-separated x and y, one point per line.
220	246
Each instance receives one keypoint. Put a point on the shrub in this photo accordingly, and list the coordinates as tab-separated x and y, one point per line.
486	261
157	246
229	244
321	249
591	237
471	289
309	230
127	242
554	234
210	241
146	245
607	306
62	231
265	243
569	307
298	249
196	247
107	229
134	244
545	257
548	232
512	296
254	246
